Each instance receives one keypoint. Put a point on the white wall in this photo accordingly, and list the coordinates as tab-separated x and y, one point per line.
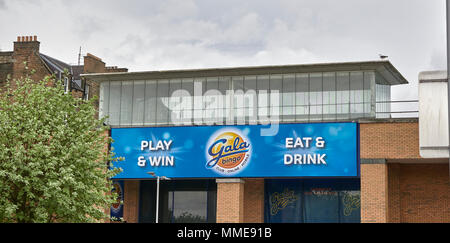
433	115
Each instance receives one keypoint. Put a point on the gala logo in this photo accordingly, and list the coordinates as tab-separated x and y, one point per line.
228	152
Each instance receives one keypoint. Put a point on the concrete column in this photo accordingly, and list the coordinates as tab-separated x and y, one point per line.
230	201
131	201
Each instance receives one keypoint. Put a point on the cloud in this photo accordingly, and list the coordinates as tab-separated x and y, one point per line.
155	35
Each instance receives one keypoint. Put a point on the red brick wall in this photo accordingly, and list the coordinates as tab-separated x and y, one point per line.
254	201
396	140
230	202
374	193
414	191
422	193
131	201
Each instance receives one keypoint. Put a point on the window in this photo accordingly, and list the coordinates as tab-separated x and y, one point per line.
162	102
329	96
115	90
150	102
104	100
356	95
343	95
138	103
315	96
250	99
312	200
288	97
262	82
66	85
126	104
181	201
86	92
276	102
302	97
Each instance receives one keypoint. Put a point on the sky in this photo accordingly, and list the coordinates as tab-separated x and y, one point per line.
167	35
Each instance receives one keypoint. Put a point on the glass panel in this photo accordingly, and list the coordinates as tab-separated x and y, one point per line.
104	100
315	96
150	103
383	96
369	79
126	103
199	89
224	86
162	110
250	99
211	102
188	85
189	206
174	102
138	103
276	102
238	100
356	94
343	95
302	97
288	97
115	88
329	96
263	85
283	201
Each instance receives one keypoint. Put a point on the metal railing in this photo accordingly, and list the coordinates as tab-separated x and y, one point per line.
399	109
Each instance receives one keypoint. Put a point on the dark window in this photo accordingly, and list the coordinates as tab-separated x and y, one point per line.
312	201
180	201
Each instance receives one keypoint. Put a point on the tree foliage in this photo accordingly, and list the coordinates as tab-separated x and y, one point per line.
53	156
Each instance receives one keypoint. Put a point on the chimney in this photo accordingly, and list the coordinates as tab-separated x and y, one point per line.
26	44
93	64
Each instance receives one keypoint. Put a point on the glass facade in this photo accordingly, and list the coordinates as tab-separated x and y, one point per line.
291	97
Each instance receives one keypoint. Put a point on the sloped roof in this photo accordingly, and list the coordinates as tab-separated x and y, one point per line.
58	67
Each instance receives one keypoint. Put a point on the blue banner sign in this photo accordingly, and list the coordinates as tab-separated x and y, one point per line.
297	150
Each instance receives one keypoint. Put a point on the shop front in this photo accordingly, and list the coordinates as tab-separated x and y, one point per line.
310	170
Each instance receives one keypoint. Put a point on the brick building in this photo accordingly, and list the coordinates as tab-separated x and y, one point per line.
169	124
26	56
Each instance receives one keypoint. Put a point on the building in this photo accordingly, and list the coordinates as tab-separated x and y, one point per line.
292	143
26	56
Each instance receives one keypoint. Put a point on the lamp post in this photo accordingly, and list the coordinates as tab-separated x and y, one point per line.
157	191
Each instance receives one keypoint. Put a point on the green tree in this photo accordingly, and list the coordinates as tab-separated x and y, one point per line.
53	155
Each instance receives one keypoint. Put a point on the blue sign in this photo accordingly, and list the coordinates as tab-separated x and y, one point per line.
296	150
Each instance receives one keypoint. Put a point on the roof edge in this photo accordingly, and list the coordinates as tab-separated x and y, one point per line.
384	67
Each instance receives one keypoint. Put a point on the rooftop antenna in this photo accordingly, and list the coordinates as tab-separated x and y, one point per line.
79	57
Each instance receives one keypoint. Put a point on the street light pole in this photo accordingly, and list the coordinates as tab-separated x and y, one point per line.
158	178
157	198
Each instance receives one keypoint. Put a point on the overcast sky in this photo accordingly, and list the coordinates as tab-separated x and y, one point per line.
169	34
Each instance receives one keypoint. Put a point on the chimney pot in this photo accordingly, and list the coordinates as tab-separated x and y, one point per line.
23	38
35	38
18	38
